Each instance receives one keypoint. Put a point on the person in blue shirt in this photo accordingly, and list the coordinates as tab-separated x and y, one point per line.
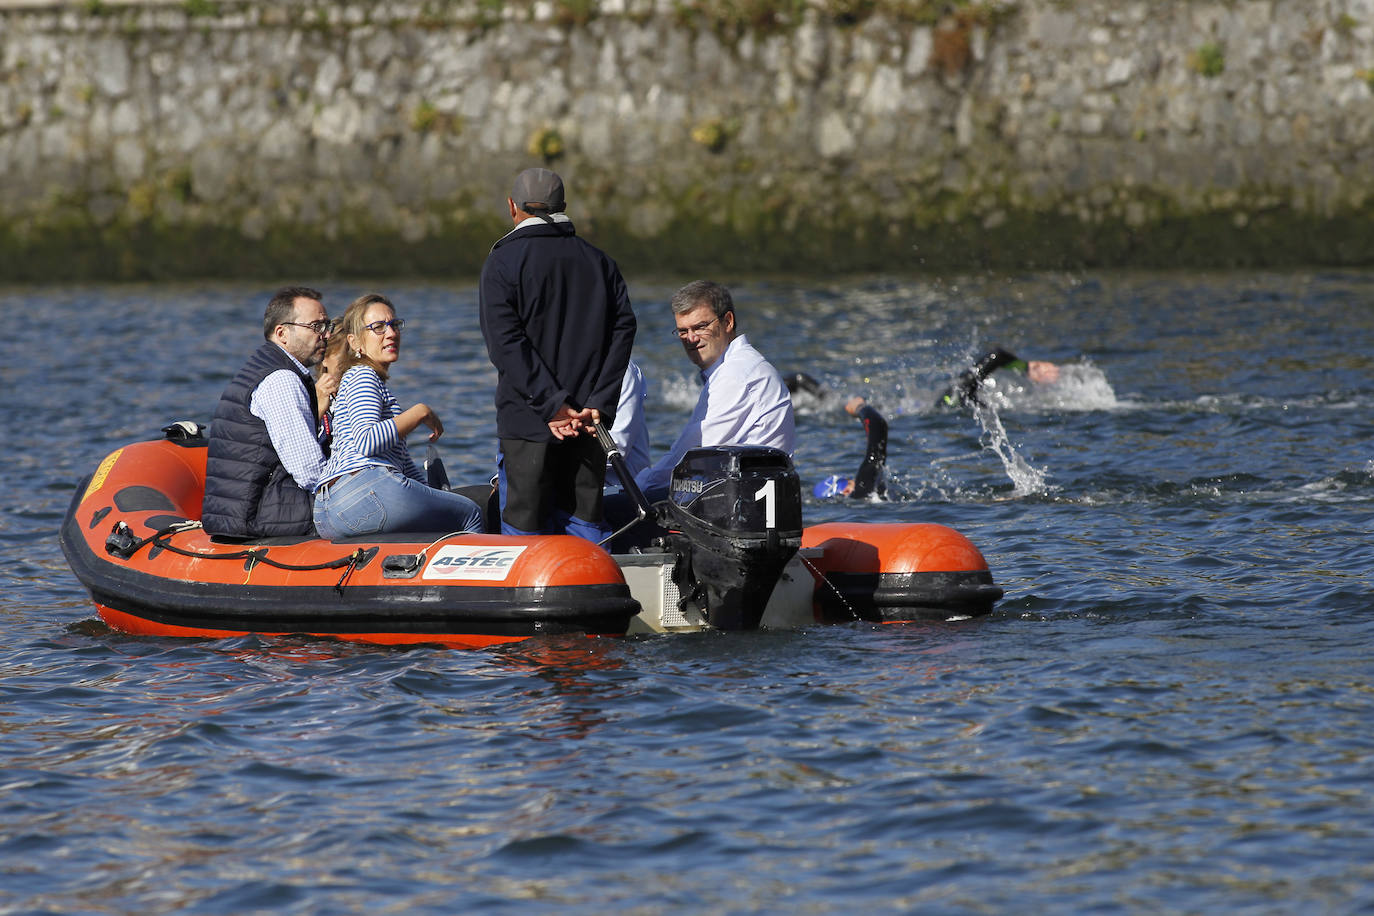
743	399
370	484
630	432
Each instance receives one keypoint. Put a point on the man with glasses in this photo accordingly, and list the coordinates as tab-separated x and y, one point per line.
743	399
265	455
559	329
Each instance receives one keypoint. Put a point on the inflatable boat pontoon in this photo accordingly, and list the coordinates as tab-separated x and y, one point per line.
733	555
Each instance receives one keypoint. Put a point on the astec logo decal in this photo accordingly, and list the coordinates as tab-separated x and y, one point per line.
465	561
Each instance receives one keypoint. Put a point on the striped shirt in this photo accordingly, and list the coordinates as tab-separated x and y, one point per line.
365	428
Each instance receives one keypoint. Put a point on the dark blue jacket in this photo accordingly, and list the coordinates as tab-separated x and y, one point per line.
558	325
248	493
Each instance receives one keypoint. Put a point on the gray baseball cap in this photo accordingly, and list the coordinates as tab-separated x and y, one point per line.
538	189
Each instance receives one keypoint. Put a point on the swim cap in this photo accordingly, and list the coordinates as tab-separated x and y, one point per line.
830	487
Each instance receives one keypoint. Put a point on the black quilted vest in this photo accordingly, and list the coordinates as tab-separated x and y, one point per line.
248	493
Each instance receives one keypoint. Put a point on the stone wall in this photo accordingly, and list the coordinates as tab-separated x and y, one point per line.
157	138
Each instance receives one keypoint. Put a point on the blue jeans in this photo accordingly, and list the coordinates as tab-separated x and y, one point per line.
375	500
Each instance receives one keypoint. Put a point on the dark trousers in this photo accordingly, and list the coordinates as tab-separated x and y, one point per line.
552	487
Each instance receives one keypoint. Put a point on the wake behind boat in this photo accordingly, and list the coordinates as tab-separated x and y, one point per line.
735	556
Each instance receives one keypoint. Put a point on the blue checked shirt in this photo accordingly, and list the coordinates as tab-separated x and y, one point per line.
281	402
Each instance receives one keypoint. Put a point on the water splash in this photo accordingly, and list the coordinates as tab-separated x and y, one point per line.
1026	479
1079	387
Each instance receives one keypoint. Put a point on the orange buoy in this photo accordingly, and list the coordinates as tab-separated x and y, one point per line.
895	571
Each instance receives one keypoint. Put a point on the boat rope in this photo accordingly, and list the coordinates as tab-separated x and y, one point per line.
424	554
123	544
826	579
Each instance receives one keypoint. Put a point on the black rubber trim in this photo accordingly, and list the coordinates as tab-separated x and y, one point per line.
908	596
419	609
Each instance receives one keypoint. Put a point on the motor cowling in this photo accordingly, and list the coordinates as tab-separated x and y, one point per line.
736	516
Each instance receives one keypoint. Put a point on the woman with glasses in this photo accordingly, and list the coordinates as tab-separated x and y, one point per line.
370	484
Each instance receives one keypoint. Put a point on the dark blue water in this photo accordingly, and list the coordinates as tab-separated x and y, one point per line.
1172	710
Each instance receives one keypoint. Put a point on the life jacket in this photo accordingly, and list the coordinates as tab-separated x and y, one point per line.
248	493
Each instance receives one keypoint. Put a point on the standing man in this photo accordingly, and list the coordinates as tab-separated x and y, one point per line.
743	399
559	330
264	453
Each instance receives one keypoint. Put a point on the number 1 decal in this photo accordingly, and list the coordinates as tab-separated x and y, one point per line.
765	493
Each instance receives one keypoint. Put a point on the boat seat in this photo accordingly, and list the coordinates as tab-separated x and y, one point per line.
486	496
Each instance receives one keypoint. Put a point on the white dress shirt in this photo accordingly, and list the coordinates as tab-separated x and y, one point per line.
630	432
743	402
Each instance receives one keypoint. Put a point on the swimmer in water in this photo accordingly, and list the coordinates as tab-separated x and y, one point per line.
966	390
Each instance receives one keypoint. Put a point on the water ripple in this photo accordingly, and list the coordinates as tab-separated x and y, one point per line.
1168	712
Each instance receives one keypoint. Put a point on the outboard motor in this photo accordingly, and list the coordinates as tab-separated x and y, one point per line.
736	516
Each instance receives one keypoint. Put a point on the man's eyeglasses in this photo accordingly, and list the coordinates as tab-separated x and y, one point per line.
379	327
321	327
695	330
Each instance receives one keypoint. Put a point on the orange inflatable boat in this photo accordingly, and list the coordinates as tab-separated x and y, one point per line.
733	555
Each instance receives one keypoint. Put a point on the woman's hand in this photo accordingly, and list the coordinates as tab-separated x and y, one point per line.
420	415
325	388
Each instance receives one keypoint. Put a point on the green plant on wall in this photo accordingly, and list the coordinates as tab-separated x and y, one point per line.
1208	60
730	18
574	12
425	117
714	133
545	143
142	199
851	12
200	8
489	13
178	182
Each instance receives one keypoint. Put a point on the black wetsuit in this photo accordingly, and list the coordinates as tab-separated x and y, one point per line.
870	480
800	381
965	390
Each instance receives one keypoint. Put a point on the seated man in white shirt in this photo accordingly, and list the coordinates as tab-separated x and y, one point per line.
630	432
743	399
